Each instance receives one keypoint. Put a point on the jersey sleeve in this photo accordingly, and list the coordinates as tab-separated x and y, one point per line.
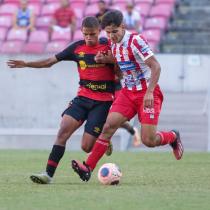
141	47
68	53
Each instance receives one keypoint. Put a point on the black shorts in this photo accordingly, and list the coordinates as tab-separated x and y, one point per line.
94	112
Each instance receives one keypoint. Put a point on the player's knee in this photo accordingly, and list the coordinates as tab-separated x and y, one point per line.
106	128
148	141
86	148
63	134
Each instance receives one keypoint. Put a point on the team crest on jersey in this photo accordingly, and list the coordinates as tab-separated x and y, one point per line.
81	54
82	64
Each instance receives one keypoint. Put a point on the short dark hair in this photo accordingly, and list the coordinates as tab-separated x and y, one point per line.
90	22
101	1
113	17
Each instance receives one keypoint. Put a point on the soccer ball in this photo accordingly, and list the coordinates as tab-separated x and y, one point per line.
109	174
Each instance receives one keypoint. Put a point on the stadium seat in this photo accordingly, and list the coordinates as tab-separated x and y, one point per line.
37	1
91	9
49	9
80	1
79	12
34	48
152	35
144	1
35	7
56	46
161	10
38	36
17	2
78	5
17	35
119	6
8	9
43	22
61	36
12	47
78	35
143	8
171	2
3	34
96	1
156	23
154	46
51	1
6	21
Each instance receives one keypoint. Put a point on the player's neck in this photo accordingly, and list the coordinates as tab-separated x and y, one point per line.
122	37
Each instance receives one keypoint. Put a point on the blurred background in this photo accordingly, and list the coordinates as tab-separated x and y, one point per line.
31	100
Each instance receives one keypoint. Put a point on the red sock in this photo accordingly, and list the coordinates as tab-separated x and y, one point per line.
97	152
166	137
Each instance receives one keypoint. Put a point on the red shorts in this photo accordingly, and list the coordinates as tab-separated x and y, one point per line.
129	103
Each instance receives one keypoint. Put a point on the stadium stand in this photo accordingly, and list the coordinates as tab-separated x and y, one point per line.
189	32
155	17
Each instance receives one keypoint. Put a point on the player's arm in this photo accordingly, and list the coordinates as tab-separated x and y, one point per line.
142	48
155	72
45	63
66	54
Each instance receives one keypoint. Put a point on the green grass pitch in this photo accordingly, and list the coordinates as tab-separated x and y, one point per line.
151	181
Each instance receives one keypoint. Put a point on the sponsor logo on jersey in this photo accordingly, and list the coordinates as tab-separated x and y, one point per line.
96	86
81	54
126	65
82	64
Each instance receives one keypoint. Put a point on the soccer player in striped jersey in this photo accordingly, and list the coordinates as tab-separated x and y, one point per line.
140	94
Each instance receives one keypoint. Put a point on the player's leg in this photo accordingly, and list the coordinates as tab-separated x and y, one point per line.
95	121
121	111
72	119
134	132
114	120
149	134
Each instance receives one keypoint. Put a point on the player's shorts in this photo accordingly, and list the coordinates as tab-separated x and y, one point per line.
94	112
129	103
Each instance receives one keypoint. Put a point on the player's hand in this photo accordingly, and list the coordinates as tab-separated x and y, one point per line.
102	57
16	64
148	100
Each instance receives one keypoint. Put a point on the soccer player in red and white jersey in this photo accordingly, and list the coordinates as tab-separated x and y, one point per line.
140	94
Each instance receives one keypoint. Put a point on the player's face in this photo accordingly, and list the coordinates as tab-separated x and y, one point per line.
90	35
115	33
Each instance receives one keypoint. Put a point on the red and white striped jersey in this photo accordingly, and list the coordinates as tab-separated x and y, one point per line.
131	54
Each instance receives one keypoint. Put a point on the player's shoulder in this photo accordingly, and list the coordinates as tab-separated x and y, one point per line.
77	43
137	36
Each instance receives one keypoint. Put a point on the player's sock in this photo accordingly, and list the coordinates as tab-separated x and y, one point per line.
166	137
131	130
97	152
54	158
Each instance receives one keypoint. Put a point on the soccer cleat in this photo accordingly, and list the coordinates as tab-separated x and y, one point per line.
109	149
81	169
136	138
177	146
42	178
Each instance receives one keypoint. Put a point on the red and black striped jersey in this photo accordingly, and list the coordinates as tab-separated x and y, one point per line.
96	80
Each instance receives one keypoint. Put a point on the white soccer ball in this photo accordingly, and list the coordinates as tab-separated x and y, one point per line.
109	174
